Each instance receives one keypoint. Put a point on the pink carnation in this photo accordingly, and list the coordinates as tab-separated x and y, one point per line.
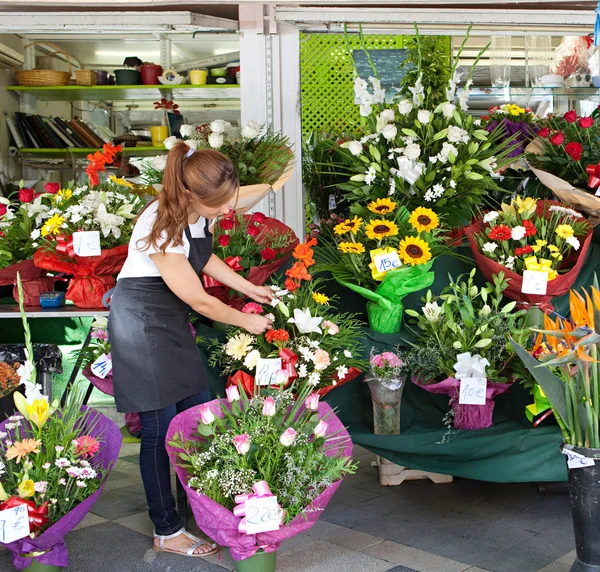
392	359
331	328
321	360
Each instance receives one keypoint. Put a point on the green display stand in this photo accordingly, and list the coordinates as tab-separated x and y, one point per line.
260	562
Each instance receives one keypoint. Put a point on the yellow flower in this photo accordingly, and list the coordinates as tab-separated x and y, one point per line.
553	248
414	251
320	298
341	228
378	229
351	247
121	181
382	206
565	231
38	412
26	489
354	224
526	207
514	109
556	255
539	244
53	225
238	346
424	220
62	195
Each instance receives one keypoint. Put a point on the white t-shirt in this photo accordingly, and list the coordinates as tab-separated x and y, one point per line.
138	263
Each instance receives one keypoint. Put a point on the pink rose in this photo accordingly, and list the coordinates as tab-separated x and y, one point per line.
321	429
269	407
332	329
392	359
206	415
242	443
377	361
288	437
321	360
233	393
312	402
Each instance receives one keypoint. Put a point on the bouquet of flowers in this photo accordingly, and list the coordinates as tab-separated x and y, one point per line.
531	235
565	157
308	340
464	333
254	245
54	462
518	124
285	445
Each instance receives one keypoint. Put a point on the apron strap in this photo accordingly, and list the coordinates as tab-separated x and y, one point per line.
188	233
207	232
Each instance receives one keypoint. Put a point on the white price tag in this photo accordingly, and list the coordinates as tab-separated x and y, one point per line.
14	524
472	391
262	515
266	370
102	366
87	243
386	262
576	460
534	282
332	203
598	193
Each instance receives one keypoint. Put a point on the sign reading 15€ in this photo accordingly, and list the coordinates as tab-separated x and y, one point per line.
386	261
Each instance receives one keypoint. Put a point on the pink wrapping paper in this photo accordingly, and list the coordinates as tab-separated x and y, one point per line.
221	524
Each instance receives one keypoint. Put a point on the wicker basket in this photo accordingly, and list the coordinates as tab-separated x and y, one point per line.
86	77
41	77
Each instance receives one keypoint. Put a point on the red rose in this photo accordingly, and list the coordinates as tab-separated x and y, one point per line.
52	188
224	240
570	116
530	229
26	195
3	209
258	218
543	132
226	224
557	139
586	122
268	254
574	150
523	250
253	230
500	232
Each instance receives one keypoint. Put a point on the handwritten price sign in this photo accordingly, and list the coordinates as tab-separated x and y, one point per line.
102	366
14	524
576	460
472	391
534	282
386	262
87	243
262	515
266	370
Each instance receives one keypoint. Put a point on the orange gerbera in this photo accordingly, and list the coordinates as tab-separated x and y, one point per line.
304	252
23	448
298	272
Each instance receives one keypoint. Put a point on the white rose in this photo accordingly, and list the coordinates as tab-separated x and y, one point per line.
215	140
252	359
491	216
218	126
170	142
424	116
448	148
389	131
405	107
385	117
159	162
187	130
412	151
355	148
251	131
448	109
456	135
518	232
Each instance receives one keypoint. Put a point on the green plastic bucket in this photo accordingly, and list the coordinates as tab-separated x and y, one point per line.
36	566
260	562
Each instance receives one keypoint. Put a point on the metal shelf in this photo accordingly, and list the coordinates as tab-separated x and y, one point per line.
85	151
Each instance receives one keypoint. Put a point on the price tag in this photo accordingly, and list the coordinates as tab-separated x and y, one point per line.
266	370
87	243
386	262
102	366
598	193
262	515
332	203
14	524
534	282
472	391
576	460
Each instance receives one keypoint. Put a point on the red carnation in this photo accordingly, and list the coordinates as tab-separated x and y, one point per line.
523	250
500	232
226	224
530	229
52	188
3	209
224	240
268	254
277	336
253	230
570	116
574	150
26	195
586	122
258	218
543	132
557	139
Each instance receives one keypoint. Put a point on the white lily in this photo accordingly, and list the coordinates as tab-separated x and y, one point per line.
306	323
109	223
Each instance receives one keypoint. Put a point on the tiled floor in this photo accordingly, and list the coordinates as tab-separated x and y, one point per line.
418	526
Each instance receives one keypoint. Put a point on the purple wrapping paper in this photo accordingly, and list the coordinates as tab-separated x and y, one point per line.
51	541
221	524
469	417
525	133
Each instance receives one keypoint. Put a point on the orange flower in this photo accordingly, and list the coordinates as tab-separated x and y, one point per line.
304	252
290	285
23	448
298	272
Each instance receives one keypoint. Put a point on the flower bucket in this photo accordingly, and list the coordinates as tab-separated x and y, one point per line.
37	566
386	406
469	417
260	562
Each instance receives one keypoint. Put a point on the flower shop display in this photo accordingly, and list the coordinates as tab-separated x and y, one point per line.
254	245
517	122
386	379
273	459
530	235
565	365
463	335
308	340
53	466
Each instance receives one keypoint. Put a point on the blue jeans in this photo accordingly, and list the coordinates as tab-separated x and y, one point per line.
155	466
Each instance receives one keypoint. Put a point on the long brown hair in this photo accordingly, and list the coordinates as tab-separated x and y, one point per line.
205	175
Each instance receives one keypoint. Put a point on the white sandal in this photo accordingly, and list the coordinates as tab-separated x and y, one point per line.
192	549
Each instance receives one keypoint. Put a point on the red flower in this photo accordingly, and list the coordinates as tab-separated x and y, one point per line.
574	150
557	139
26	195
226	224
500	232
52	188
523	250
253	230
290	285
224	240
586	122
268	254
543	132
570	116
277	336
86	446
485	117
3	209
258	218
530	228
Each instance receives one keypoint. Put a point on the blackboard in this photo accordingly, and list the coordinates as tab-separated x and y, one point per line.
387	63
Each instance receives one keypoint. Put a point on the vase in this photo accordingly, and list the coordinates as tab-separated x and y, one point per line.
158	133
584	491
37	566
386	395
261	562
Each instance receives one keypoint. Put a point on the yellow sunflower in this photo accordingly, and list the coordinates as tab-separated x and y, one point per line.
423	219
341	228
378	229
414	251
53	225
351	247
320	298
382	206
565	231
354	224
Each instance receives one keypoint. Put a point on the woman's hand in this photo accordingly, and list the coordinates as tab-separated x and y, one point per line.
260	294
256	324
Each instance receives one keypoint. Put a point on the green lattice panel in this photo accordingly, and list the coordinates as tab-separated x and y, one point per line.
327	77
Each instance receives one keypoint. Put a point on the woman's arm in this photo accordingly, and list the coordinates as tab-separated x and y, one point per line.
180	277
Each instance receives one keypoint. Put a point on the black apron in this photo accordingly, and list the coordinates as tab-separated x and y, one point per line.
155	361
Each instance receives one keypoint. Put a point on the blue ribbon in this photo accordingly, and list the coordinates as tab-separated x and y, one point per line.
597	27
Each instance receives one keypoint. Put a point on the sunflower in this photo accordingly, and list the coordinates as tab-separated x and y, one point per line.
320	298
351	247
565	231
354	224
414	251
53	225
378	229
382	206
423	220
341	228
